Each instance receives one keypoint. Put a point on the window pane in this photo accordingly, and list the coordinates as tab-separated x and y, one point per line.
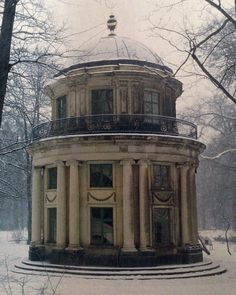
61	107
161	225
151	102
52	224
155	108
102	101
161	176
52	178
101	175
101	226
148	108
147	96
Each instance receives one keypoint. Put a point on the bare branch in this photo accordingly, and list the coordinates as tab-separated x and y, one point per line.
219	155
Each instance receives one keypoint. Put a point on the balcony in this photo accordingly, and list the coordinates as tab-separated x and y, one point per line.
110	124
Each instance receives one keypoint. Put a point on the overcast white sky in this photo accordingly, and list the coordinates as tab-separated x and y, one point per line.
91	16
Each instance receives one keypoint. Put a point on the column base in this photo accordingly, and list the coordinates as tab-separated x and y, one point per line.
67	256
137	259
191	254
36	252
74	248
146	249
129	249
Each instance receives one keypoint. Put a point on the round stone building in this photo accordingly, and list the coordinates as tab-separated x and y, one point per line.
114	170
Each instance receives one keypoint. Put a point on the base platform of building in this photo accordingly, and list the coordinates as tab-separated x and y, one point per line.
115	257
181	271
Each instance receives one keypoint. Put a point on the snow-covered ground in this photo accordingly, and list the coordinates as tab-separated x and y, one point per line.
14	284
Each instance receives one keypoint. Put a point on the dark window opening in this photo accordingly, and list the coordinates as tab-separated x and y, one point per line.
161	177
161	226
61	107
151	104
101	226
102	101
101	175
52	178
52	225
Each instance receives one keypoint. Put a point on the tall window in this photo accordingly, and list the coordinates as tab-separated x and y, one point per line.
52	178
101	226
151	104
161	226
52	224
161	176
101	175
102	101
61	107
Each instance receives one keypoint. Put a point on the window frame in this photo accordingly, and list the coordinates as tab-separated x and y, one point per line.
58	102
158	103
171	227
49	232
162	187
101	187
102	206
48	178
112	100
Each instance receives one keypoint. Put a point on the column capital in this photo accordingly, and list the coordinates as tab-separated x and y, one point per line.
183	166
144	162
36	167
73	162
60	163
194	165
127	162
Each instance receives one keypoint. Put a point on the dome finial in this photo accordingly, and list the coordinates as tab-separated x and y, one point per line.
111	24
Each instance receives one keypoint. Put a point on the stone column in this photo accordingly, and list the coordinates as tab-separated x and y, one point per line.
74	235
194	225
184	204
61	205
128	223
36	206
143	204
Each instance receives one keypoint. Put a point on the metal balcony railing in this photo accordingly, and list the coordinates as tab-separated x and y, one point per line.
121	123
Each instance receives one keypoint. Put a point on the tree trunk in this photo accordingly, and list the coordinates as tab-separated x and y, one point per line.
5	47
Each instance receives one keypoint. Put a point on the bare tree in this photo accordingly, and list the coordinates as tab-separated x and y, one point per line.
211	46
20	116
216	119
8	19
25	26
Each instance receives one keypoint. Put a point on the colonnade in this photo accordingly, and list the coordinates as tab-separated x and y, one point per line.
188	220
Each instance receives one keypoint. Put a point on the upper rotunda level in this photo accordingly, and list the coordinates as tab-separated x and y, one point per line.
118	81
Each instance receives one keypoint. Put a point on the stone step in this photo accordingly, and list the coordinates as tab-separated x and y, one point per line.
115	269
167	272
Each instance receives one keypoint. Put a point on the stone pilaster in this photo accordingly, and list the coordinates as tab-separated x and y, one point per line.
74	234
128	222
143	204
36	206
61	205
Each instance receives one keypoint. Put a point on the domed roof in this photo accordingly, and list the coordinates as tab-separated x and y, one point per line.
114	47
114	50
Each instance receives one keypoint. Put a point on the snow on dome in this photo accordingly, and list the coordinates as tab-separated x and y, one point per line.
114	50
117	48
